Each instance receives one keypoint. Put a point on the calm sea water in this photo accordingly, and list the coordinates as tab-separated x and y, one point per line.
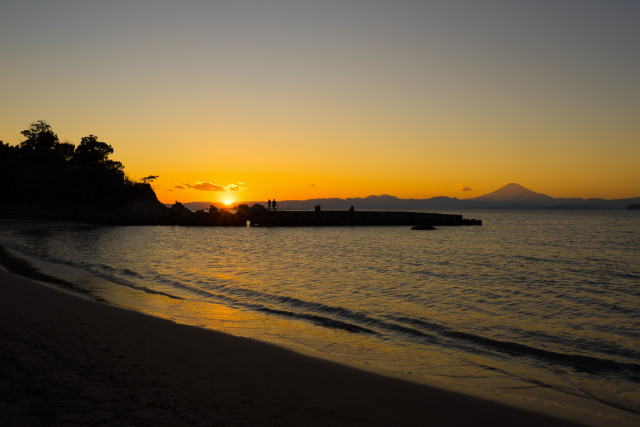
532	306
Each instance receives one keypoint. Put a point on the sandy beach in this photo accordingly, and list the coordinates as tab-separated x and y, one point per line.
66	360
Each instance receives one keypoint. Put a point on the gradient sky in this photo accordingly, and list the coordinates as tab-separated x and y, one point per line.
346	98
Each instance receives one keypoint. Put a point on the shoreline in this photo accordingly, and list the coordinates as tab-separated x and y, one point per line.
71	360
530	405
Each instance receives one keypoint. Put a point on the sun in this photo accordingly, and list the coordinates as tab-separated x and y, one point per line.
227	202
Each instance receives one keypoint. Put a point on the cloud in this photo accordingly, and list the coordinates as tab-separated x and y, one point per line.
463	187
236	187
180	187
313	185
207	186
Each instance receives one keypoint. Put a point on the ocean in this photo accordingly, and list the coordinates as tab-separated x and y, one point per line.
532	308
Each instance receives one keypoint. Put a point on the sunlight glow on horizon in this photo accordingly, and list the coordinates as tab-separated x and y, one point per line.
295	101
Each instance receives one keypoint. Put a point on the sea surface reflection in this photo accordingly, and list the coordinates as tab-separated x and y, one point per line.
533	304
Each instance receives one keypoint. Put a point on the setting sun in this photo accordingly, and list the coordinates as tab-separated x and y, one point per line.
227	202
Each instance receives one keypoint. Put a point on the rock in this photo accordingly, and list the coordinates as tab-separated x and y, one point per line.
423	227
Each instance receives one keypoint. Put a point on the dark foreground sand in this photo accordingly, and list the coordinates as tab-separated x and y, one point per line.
65	360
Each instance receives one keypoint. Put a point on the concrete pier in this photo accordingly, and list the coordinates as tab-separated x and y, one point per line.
355	218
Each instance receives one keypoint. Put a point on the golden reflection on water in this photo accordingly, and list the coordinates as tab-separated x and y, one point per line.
438	366
381	280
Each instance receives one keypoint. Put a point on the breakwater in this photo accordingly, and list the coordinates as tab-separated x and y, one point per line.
151	212
259	216
356	218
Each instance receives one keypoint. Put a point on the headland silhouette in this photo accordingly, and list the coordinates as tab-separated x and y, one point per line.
43	178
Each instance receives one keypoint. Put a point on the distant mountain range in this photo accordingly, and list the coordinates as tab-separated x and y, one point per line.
511	196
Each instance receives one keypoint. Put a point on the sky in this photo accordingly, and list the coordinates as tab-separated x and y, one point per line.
292	99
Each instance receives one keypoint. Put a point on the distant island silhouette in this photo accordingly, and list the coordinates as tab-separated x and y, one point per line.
510	196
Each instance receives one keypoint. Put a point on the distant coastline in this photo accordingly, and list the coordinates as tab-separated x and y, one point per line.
511	196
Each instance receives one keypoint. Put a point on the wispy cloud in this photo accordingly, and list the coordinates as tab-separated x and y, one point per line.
235	187
180	187
463	187
207	186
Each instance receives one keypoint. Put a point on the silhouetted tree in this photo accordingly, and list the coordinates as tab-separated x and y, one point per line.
97	178
40	137
42	171
93	153
41	148
149	179
11	170
8	155
41	174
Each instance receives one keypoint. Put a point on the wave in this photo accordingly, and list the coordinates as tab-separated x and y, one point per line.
247	304
106	272
355	322
320	321
123	282
291	307
342	318
579	363
112	275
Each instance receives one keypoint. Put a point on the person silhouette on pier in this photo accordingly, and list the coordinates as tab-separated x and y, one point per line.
269	204
274	204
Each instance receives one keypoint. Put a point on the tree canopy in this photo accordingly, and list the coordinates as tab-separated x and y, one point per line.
92	153
42	171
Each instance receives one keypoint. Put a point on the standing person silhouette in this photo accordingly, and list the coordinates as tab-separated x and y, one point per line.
274	204
269	204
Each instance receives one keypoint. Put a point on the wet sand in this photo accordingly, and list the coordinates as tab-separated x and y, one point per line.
66	360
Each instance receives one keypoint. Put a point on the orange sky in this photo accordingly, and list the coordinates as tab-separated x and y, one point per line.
293	101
